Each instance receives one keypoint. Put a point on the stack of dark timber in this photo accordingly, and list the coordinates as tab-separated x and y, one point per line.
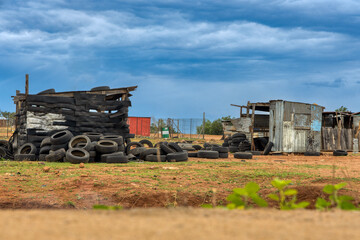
100	110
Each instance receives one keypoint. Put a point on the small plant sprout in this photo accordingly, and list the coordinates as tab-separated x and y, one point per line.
286	198
341	202
105	207
241	198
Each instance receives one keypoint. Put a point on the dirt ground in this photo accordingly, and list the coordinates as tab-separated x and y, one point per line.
24	185
178	223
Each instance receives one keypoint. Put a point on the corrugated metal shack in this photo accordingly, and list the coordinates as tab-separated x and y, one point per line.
291	126
101	111
340	130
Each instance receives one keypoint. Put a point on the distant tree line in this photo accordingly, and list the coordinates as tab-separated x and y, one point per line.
213	127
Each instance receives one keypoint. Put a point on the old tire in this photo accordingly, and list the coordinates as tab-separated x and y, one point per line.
61	137
45	149
100	88
106	146
117	159
208	154
175	147
94	137
192	154
105	156
27	148
56	156
118	139
57	147
166	149
137	151
243	155
233	149
82	140
146	142
220	149
2	152
339	153
268	148
132	144
77	155
155	158
223	155
177	157
47	91
45	142
312	154
196	147
148	151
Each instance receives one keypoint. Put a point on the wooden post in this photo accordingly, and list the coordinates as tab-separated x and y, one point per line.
240	111
26	85
247	109
203	125
252	127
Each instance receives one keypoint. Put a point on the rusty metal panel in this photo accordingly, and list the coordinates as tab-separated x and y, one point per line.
276	124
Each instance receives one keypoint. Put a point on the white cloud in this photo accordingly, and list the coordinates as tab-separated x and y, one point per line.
64	29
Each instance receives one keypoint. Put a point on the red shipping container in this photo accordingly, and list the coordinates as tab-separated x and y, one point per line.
140	125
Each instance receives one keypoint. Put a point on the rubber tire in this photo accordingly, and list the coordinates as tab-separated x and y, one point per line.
243	155
118	139
146	142
233	149
105	156
257	153
196	147
4	144
45	142
80	139
94	137
137	151
220	149
2	152
50	90
312	154
154	158
192	154
238	140
175	147
61	137
238	135
106	146
117	159
268	148
56	156
148	151
339	153
177	156
131	144
45	149
100	88
25	157
28	148
166	149
223	155
208	154
70	157
57	147
225	144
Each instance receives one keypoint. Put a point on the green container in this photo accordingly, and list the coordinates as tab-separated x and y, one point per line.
165	132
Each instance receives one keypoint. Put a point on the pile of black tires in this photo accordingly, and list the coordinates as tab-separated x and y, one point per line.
161	152
5	150
63	146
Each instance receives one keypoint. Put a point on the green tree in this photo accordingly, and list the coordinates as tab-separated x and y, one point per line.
342	109
213	128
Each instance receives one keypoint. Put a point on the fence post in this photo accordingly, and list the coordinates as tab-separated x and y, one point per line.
203	128
190	126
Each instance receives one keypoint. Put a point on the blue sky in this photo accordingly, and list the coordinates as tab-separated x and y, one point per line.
187	57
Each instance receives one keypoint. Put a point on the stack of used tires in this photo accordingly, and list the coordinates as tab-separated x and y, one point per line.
64	147
209	151
237	142
5	150
162	152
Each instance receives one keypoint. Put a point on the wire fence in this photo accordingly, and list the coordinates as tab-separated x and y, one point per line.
178	128
7	127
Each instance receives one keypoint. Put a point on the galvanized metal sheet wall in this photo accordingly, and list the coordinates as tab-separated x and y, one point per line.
295	127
